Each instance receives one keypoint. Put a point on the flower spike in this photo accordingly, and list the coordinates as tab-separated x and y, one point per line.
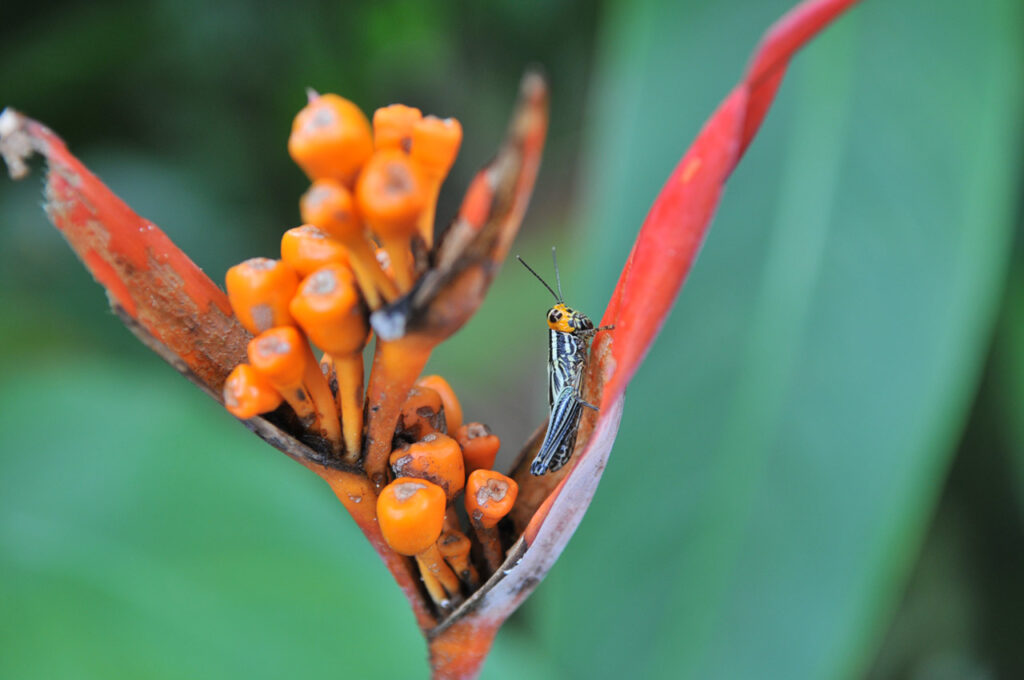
467	259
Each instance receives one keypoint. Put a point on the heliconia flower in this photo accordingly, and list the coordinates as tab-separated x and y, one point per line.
404	499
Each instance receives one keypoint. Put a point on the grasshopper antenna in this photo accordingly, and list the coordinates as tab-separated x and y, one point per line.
522	262
558	277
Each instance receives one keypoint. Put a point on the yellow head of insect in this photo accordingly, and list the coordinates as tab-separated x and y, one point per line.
567	320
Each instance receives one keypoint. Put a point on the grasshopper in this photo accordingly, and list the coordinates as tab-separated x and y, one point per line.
569	336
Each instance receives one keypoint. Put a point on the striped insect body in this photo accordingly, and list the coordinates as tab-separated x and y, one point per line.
569	335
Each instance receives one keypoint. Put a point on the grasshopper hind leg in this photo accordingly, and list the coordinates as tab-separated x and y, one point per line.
553	455
538	467
562	454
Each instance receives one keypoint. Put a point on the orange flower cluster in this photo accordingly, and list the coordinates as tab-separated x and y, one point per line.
369	225
385	180
420	514
369	217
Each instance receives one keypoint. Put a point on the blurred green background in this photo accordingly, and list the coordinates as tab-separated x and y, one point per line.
820	472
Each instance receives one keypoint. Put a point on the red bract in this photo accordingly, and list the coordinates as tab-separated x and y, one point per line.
159	293
675	226
177	311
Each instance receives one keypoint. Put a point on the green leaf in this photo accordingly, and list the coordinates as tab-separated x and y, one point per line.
1008	377
785	441
149	558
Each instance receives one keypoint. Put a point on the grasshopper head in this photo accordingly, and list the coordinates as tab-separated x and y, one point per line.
567	320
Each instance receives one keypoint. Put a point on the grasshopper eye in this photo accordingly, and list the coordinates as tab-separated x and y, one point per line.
582	322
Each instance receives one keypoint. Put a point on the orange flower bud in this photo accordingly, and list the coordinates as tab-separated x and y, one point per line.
328	308
279	354
282	356
421	414
393	127
248	394
260	290
455	548
435	144
390	194
410	513
307	248
452	407
479	446
329	206
436	458
490	496
331	138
